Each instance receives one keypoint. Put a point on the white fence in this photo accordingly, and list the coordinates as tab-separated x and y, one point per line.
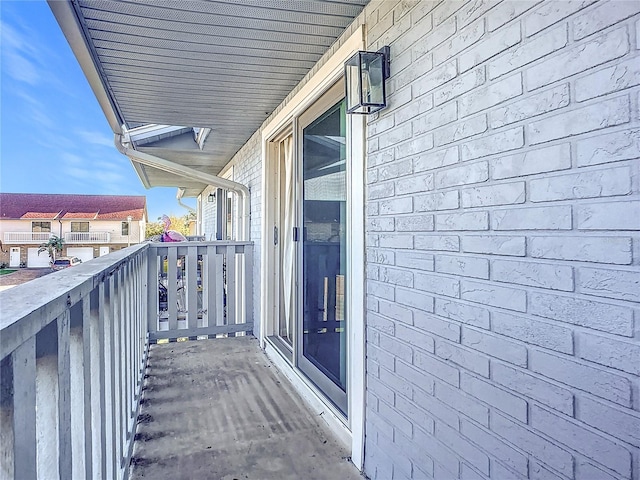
87	237
11	238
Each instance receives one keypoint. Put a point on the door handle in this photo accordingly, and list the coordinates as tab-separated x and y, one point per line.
296	234
275	235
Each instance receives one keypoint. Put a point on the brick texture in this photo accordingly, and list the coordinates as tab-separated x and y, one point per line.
522	319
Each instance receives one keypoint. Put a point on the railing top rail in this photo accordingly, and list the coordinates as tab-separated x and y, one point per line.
28	308
197	242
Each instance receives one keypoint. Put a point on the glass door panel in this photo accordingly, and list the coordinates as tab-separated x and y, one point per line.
324	207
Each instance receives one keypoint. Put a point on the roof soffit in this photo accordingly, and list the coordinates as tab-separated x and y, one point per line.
221	64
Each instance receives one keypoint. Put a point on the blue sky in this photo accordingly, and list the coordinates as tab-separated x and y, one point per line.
54	137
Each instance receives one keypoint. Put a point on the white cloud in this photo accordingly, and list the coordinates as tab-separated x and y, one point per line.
71	159
19	55
96	138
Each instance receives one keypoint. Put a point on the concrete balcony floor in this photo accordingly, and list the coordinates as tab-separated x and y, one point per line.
218	409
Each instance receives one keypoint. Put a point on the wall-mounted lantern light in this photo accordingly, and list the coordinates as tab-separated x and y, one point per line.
211	198
365	74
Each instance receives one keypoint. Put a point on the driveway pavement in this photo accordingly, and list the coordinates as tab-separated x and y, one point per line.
22	275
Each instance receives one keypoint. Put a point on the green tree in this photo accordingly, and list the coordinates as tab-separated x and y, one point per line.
179	224
53	247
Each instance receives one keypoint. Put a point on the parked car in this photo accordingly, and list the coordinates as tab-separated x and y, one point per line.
65	262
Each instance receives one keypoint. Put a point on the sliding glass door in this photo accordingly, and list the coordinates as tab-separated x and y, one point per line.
310	244
323	322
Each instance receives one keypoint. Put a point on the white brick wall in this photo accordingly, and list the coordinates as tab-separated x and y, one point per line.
503	254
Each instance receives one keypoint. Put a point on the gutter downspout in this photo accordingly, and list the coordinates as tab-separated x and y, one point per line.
123	145
179	196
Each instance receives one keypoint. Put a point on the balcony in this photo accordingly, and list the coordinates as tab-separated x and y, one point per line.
87	237
15	238
99	378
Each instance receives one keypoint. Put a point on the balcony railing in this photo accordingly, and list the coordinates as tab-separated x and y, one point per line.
87	237
73	349
26	237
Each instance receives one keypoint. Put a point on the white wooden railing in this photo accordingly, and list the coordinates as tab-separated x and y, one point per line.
211	294
26	237
87	237
73	349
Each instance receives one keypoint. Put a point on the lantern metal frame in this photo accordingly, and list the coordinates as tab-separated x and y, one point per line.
362	106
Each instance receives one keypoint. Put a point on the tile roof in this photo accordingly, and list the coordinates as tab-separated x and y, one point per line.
41	215
80	215
68	206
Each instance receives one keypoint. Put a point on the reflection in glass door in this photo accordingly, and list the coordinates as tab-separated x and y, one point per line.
324	206
283	239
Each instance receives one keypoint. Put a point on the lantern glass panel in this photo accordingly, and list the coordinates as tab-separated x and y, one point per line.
372	79
352	79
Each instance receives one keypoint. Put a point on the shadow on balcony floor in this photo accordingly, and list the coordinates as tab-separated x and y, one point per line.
218	409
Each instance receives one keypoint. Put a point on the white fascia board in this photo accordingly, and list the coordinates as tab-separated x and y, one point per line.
142	174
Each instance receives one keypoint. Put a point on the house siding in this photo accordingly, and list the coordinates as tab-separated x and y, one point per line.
503	254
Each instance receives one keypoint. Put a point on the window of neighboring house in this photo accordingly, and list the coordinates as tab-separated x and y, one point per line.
77	227
125	228
41	226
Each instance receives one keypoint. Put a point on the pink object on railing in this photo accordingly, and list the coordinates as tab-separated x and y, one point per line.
170	235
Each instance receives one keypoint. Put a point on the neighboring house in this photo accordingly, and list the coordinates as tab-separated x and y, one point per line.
90	225
453	281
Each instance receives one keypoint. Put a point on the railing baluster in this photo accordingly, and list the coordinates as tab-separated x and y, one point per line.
231	284
152	291
47	402
65	454
88	348
172	285
78	398
110	348
210	286
23	361
125	355
6	418
220	286
103	387
131	365
192	286
118	349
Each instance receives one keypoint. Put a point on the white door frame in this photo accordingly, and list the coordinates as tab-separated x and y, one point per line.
352	430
